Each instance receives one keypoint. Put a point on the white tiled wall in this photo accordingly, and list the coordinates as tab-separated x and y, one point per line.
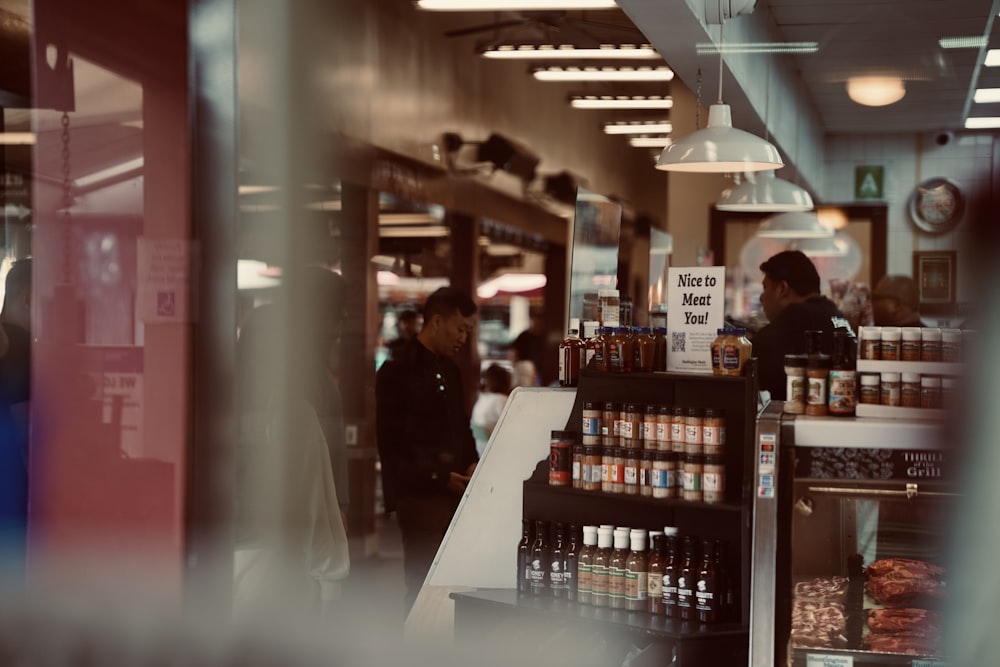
909	159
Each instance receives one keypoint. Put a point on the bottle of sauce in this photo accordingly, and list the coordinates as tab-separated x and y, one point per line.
614	350
616	569
636	572
716	349
650	423
707	586
671	568
633	464
818	374
644	359
600	568
540	560
557	565
572	355
585	563
595	351
654	574
843	395
524	556
660	336
687	576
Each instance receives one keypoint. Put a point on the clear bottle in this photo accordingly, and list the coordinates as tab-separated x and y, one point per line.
586	564
600	568
707	586
636	572
616	569
654	574
843	381
572	355
671	568
687	576
572	569
609	308
524	556
540	560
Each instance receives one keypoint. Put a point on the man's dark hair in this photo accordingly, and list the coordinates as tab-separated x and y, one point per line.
445	301
496	378
796	269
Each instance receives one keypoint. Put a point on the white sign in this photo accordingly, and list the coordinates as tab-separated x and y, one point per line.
696	303
821	660
164	276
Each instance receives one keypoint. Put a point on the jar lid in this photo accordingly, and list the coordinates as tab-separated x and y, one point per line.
590	405
609	406
632	407
869	379
715	412
652	409
713	459
695	412
819	361
871	333
911	377
930	333
890	377
930	381
890	333
679	411
666	410
796	360
722	332
951	335
911	333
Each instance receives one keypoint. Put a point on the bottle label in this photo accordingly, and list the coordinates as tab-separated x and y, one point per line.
616	582
563	365
590	354
842	396
796	389
672	479
683	592
556	580
648	430
599	580
583	578
662	429
731	357
617	431
631	475
605	472
636	585
654	585
676	432
669	590
577	471
659	477
617	472
692	481
628	429
817	391
614	356
713	435
704	597
591	426
692	435
711	481
716	356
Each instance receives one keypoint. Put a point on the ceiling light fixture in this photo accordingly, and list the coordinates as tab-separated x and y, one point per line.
763	191
121	169
639	127
992	58
705	48
793	225
257	189
603	74
962	42
17	138
982	123
512	5
430	231
875	91
821	247
570	52
720	148
621	102
649	142
987	95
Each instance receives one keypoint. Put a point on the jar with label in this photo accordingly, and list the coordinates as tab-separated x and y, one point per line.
607	463
713	431
870	391
591	422
628	349
633	460
614	349
608	308
713	480
660	336
949	387
589	331
650	420
597	359
646	473
664	421
734	349
694	468
891	390
610	424
842	390
618	471
889	344
660	475
795	383
592	470
909	390
909	346
572	353
674	480
677	428
930	392
951	345
577	466
561	458
870	339
817	376
632	426
644	357
930	344
716	350
694	431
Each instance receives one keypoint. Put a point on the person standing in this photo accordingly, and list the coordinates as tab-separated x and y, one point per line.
527	351
895	302
490	404
425	444
793	305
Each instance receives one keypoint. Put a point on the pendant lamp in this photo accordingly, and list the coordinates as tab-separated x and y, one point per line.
719	147
763	191
794	225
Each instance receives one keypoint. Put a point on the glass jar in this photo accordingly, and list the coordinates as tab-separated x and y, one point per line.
644	350
694	468
633	461
909	346
660	336
890	390
930	392
693	431
795	383
664	422
618	471
713	480
650	423
713	431
597	350
591	423
592	470
889	344
909	390
631	429
817	374
561	458
608	308
610	424
677	427
930	344
870	339
870	393
614	350
660	475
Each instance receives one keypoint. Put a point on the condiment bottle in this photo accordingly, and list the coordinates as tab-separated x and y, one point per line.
644	351
625	310
524	556
817	373
616	569
707	586
636	572
671	569
650	423
660	335
633	460
646	473
713	480
909	346
677	426
909	390
795	383
540	560
693	431
713	431
890	389
589	331
572	356
716	349
596	358
557	565
814	340
870	392
631	429
870	339
599	568
843	397
572	569
889	345
654	574
608	308
614	350
687	576
585	564
735	352
930	392
930	344
591	423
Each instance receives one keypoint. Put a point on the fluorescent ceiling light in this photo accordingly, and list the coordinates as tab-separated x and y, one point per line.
433	231
758	47
977	42
987	95
511	283
992	58
875	91
982	123
408	219
649	142
110	172
256	189
621	102
570	52
512	5
17	138
604	74
639	127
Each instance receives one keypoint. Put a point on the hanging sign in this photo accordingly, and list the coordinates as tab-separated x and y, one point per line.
164	272
695	308
869	182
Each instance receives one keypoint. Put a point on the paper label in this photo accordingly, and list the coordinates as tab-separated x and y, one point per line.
821	660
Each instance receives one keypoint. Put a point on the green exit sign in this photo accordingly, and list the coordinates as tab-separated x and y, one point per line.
869	182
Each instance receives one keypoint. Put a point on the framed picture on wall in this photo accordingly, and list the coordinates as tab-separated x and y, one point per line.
935	273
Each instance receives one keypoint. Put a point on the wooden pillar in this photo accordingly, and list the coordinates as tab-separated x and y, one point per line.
465	276
555	308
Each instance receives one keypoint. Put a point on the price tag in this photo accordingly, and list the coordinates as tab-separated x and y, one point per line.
928	663
823	660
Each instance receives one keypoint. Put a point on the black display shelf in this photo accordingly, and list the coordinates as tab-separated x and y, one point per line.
638	500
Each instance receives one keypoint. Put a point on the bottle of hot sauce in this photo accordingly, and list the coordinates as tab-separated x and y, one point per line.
572	568
671	569
572	356
686	579
707	589
654	575
540	560
584	577
524	557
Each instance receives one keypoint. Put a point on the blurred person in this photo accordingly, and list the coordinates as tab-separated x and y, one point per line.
425	444
854	299
490	403
793	305
15	392
526	353
406	329
896	302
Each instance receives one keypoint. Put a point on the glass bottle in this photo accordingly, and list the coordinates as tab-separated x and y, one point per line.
644	349
687	575
600	568
842	394
540	560
572	569
557	564
585	564
726	584
660	360
636	572
595	350
671	568
707	587
524	557
616	569
572	355
654	574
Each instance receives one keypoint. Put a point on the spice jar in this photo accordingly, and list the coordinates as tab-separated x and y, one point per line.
661	466
909	346
713	480
795	383
951	345
890	389
607	463
577	466
870	338
646	473
561	458
713	431
870	389
694	468
909	390
633	460
644	357
817	372
930	344
610	424
631	429
930	392
677	427
650	421
592	469
664	422
591	423
693	431
618	471
674	480
889	344
608	307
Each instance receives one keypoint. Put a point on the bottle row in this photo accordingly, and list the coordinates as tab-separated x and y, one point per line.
618	349
689	430
912	344
632	569
821	384
908	390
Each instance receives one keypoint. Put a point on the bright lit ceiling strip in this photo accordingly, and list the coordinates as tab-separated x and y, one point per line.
704	48
570	52
649	142
993	58
982	123
111	172
987	95
609	102
604	74
962	42
17	138
651	127
257	189
512	5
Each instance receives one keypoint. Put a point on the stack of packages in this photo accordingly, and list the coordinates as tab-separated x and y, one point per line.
818	618
909	590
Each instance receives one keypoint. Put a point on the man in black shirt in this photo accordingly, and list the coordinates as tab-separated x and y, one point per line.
793	305
425	443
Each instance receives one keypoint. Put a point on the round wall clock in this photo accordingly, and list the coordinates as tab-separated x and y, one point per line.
937	205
